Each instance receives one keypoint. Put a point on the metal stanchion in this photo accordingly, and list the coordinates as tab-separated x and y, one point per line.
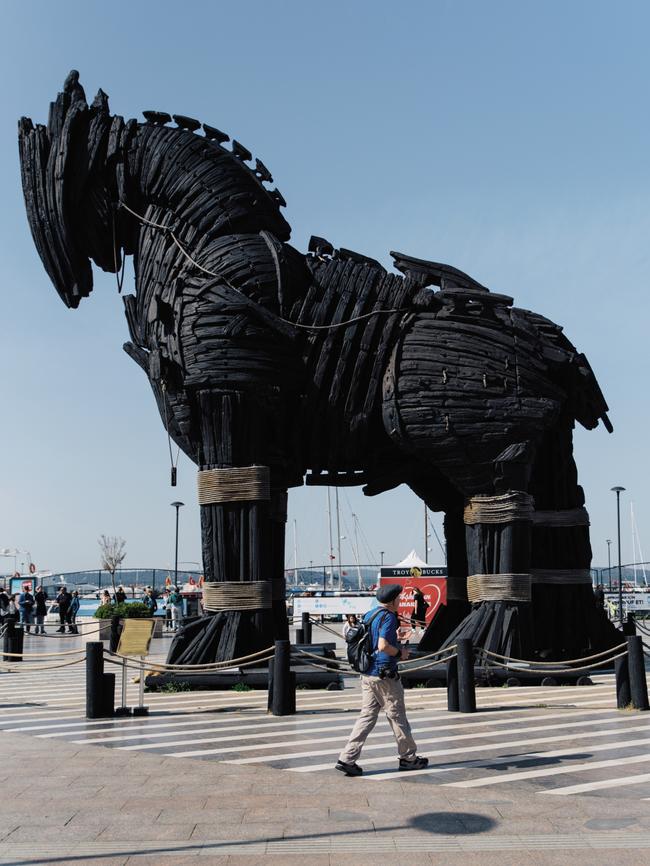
452	685
622	673
466	686
282	681
141	710
629	626
306	628
636	666
123	709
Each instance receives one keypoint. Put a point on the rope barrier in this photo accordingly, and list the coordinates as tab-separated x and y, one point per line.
539	664
548	671
44	655
230	663
25	668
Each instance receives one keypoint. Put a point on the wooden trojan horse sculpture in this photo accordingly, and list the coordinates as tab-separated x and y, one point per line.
268	365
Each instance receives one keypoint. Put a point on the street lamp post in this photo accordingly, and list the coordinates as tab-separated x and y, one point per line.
618	491
609	562
177	506
381	553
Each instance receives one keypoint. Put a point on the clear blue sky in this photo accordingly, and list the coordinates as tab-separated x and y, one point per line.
509	139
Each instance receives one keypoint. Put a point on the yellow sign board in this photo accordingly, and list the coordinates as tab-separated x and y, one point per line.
136	637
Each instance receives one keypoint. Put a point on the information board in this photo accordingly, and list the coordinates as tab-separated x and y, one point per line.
135	638
332	605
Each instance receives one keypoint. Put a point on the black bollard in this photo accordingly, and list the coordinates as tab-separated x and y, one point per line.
636	666
452	685
100	687
300	635
622	672
306	627
13	641
466	687
283	681
629	626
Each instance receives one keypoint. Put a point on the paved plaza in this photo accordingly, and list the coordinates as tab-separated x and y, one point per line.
535	776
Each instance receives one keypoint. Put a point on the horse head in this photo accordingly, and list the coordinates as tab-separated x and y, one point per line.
69	190
87	173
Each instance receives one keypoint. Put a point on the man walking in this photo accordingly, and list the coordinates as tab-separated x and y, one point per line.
381	688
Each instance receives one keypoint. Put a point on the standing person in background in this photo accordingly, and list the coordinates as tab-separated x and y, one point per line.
351	621
150	601
4	604
63	599
12	610
381	689
72	614
420	607
41	600
176	602
168	610
106	598
120	595
26	605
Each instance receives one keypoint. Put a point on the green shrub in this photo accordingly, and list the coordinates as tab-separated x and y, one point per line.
241	687
136	610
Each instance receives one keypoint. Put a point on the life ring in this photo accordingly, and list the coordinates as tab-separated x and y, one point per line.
32	568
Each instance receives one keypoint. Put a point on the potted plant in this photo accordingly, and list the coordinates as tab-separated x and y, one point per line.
106	613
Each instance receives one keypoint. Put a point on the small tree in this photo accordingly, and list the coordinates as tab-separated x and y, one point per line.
113	554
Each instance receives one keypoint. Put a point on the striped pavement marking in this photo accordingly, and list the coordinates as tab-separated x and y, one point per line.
437	753
135	730
586	787
552	771
586	732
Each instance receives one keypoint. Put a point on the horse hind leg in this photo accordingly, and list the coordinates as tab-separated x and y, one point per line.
497	528
567	621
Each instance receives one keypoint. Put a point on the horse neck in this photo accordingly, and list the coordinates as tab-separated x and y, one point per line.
197	186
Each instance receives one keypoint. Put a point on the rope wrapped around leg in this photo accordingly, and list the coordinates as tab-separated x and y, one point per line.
241	484
503	508
498	587
237	595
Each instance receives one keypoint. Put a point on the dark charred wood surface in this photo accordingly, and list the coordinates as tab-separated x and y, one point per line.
322	363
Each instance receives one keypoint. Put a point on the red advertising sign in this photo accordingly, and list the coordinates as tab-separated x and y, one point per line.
434	590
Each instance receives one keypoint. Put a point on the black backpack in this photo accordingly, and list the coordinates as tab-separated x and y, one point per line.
359	641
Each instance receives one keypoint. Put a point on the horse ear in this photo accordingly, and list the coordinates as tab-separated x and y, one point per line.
100	103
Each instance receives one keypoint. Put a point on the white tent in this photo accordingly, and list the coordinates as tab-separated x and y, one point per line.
412	560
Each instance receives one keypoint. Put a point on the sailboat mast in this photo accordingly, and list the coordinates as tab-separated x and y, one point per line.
295	554
426	533
338	537
329	524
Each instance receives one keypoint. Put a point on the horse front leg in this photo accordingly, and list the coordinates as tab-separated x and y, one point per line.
243	511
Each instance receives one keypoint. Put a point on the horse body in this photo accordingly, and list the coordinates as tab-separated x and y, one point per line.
324	363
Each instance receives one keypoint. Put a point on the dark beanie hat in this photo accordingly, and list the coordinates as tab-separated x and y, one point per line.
386	594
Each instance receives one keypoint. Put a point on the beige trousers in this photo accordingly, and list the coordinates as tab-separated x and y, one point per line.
379	694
